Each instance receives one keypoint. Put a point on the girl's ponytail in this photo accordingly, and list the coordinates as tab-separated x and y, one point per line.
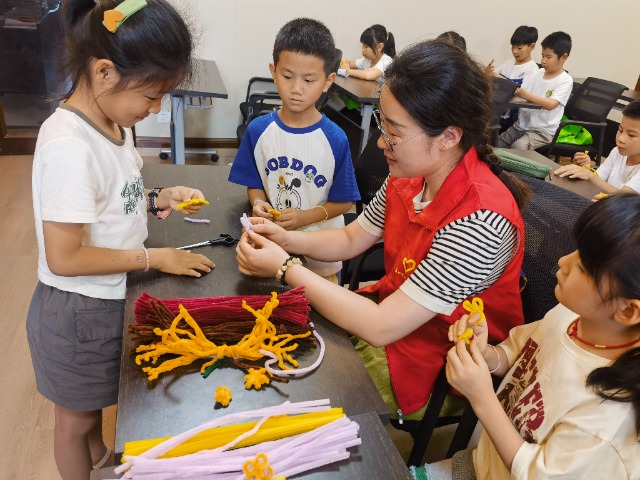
390	45
620	382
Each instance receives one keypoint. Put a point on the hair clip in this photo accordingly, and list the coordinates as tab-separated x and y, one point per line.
114	18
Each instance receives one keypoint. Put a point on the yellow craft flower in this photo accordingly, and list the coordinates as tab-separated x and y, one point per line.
223	396
256	378
274	212
195	201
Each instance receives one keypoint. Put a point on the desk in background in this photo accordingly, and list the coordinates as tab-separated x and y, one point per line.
204	84
628	95
519	102
182	399
365	92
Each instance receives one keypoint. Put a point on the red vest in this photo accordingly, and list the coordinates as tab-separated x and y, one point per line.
415	360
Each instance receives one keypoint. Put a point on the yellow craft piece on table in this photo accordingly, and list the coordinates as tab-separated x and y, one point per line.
223	396
195	201
258	468
274	212
474	306
256	378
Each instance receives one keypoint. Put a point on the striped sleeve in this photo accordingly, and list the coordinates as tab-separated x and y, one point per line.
466	257
372	218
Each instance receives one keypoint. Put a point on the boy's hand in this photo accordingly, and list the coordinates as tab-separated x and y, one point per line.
581	158
180	194
468	373
292	219
574	171
261	209
259	256
489	68
179	262
480	332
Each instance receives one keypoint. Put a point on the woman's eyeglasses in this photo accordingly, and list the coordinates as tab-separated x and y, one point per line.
376	116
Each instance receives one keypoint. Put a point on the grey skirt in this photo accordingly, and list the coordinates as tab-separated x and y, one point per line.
76	344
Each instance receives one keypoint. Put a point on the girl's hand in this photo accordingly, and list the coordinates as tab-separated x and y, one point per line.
292	219
179	262
574	171
180	194
480	332
259	256
581	158
261	209
468	373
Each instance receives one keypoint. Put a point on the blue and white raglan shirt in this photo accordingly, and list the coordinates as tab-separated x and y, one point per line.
298	168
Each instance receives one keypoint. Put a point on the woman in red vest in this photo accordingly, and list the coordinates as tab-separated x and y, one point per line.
450	221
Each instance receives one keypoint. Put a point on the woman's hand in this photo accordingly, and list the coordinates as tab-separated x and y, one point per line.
574	171
292	219
270	230
259	256
581	158
179	262
468	373
480	332
261	209
180	194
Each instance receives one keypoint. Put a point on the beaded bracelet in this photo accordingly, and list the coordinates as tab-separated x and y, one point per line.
497	356
146	256
289	262
326	214
155	211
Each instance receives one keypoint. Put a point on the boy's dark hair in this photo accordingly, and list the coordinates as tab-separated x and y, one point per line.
309	37
454	38
632	110
376	34
559	42
524	35
440	85
153	46
607	235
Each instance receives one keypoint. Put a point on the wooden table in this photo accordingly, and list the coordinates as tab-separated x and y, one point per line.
182	399
366	92
581	187
375	458
205	83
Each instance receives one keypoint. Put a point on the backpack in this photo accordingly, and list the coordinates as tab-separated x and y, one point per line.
574	134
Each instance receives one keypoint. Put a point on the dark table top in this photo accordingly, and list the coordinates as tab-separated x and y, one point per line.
364	91
205	81
628	95
581	187
519	102
375	459
182	399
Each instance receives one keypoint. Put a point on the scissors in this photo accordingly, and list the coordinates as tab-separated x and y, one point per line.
224	239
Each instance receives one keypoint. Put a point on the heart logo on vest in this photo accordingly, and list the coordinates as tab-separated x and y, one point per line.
111	19
408	264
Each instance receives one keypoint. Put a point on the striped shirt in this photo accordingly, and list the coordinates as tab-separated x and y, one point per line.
466	257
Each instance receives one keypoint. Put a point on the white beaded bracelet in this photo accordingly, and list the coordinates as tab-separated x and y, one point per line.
289	262
146	256
497	356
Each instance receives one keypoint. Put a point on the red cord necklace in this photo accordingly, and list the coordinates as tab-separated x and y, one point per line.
573	332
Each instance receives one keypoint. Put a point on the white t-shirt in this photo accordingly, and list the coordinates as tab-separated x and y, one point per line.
569	431
82	176
615	171
383	63
558	88
517	72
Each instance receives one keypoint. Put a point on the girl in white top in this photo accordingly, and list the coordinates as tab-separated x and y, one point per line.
569	404
90	208
378	50
621	169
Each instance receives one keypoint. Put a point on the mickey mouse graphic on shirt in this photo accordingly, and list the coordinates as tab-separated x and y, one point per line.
288	196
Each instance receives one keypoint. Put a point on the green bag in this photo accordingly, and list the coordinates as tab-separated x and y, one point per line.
574	134
517	163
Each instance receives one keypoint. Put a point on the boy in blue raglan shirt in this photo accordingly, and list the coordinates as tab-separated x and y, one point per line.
295	162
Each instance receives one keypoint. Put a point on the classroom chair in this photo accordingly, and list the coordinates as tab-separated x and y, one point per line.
588	107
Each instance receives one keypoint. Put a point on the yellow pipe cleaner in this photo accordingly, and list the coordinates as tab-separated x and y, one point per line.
474	306
190	346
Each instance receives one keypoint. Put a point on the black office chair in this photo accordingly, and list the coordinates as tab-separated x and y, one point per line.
371	170
588	107
322	101
262	98
502	91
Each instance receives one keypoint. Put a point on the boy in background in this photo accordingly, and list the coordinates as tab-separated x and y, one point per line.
549	87
523	41
295	162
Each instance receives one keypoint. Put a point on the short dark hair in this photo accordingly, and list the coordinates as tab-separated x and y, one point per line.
559	42
309	37
632	110
454	38
153	46
376	34
524	35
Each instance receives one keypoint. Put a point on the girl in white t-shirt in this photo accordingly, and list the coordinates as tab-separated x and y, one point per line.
569	404
378	50
90	209
621	169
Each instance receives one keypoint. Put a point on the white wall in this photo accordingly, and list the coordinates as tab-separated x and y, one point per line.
239	35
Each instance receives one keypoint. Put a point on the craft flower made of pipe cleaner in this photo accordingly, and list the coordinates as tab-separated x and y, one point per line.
114	18
256	378
259	469
195	201
223	396
474	306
